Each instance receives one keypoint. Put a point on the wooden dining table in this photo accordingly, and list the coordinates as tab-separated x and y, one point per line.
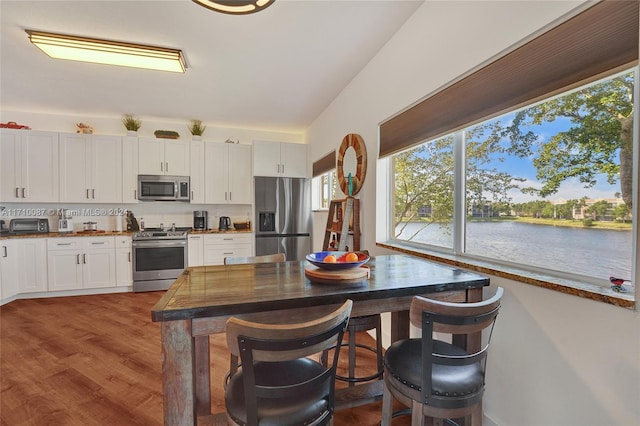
201	300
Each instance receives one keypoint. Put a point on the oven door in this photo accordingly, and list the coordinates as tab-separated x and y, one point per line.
159	259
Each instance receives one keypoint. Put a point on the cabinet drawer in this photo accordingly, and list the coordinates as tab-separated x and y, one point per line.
123	242
69	243
228	239
98	243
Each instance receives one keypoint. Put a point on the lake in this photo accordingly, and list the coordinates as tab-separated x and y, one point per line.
597	253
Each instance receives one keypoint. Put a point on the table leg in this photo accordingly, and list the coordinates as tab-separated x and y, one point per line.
203	376
178	373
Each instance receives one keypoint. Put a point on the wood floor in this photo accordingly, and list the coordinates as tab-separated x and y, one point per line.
96	360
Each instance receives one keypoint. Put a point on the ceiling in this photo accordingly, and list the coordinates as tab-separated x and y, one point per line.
277	69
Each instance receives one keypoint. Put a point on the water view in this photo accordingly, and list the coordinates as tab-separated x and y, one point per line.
597	253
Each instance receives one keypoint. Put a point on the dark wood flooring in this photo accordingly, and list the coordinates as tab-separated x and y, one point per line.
96	360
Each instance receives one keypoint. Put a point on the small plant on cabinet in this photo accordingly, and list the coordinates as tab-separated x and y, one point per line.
197	128
131	123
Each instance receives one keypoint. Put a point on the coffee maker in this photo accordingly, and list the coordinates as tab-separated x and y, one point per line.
65	221
200	220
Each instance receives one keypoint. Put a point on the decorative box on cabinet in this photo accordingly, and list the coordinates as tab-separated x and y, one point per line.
29	164
228	177
157	156
81	262
90	168
280	159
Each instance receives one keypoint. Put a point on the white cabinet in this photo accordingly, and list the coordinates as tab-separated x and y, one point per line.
24	266
197	172
124	261
81	262
228	178
157	156
129	169
29	164
280	159
90	168
219	246
195	250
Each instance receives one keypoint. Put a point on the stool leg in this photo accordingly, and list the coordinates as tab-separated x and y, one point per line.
352	357
387	407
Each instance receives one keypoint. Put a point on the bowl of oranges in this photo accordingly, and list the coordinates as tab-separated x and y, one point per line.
335	260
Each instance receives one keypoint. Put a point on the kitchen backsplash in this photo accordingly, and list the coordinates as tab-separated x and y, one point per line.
107	215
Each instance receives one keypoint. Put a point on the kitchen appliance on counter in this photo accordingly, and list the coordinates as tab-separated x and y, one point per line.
283	216
224	224
163	188
90	226
28	226
159	257
65	221
200	219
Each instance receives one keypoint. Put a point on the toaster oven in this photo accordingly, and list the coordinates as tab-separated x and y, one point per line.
28	226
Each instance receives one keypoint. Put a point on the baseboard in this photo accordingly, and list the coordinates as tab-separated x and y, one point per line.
488	421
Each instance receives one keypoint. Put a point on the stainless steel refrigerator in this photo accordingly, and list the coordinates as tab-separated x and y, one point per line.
283	216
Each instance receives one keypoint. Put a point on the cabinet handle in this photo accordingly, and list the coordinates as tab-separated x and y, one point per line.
230	252
96	244
93	193
87	192
129	257
278	168
283	168
227	239
230	196
63	244
166	167
84	258
17	192
4	248
191	195
23	193
135	194
77	259
161	165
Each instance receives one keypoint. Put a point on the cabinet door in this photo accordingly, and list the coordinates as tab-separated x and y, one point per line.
240	178
197	172
11	142
124	267
41	164
106	173
176	157
293	158
32	261
216	173
150	156
130	169
195	250
9	268
75	163
266	158
64	270
99	268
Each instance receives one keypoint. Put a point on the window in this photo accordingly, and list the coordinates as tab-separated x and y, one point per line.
324	190
548	187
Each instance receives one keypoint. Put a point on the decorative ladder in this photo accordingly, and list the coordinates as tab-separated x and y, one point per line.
343	225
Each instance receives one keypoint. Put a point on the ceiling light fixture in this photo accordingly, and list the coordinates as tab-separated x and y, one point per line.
235	7
98	51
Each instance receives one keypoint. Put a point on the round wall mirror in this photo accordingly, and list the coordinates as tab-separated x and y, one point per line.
352	158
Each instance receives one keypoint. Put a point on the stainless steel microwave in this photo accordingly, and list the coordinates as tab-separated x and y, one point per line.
163	188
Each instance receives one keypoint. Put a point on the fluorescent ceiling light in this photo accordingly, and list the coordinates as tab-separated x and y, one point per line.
108	52
235	7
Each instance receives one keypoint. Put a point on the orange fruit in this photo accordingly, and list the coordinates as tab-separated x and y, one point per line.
351	257
330	259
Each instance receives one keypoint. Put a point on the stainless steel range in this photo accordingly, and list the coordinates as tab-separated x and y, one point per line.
159	257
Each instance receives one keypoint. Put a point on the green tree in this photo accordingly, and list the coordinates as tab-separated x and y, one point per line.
621	212
598	209
599	141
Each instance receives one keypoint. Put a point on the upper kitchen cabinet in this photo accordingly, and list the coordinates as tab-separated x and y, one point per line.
129	169
90	168
157	156
280	159
29	161
197	172
228	177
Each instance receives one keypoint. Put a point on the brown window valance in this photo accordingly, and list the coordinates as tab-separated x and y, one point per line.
600	39
325	164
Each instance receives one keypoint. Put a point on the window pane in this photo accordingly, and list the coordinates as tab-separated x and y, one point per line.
550	186
423	193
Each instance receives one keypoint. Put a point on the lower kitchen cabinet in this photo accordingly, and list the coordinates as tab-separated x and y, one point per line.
80	263
218	246
23	266
195	250
124	262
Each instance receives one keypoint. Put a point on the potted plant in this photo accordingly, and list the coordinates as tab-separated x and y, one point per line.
197	129
131	123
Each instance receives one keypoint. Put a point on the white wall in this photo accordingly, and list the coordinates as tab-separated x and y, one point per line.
556	359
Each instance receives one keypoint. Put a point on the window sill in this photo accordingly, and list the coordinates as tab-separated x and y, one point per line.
576	288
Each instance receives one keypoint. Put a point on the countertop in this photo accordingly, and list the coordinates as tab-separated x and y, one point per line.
111	234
